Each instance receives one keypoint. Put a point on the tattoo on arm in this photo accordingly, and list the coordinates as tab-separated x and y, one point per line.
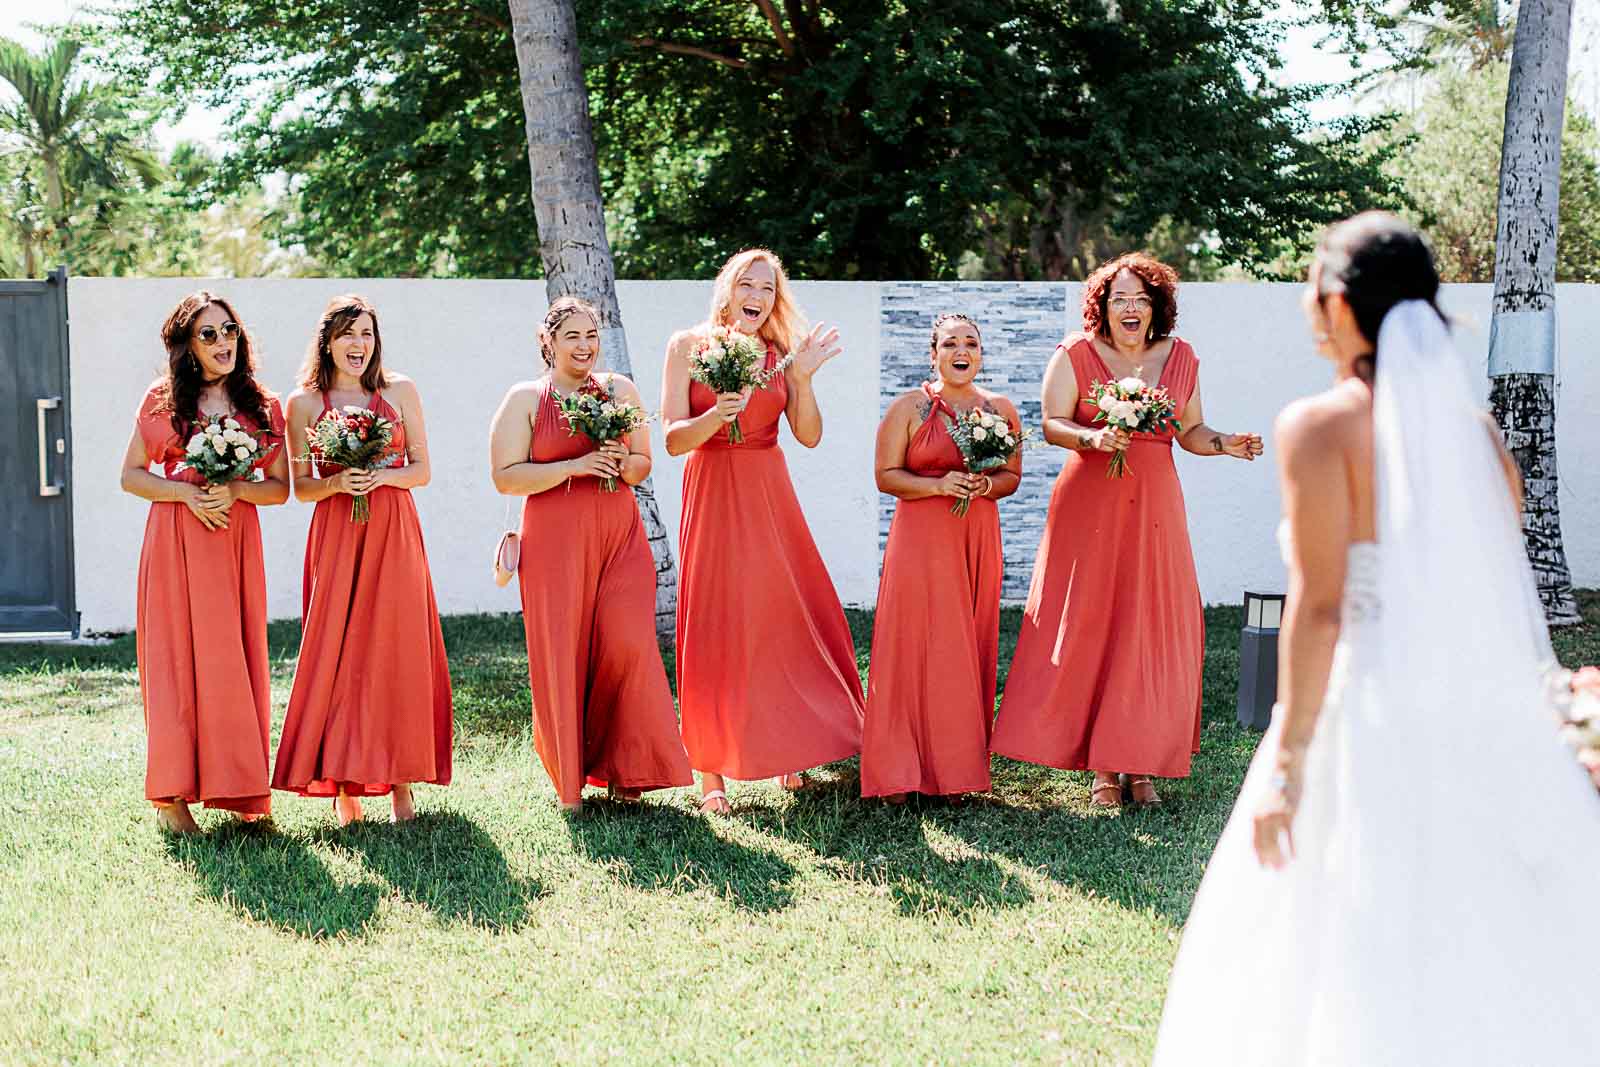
1216	443
923	409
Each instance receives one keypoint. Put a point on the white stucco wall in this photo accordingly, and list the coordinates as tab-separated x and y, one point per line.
465	342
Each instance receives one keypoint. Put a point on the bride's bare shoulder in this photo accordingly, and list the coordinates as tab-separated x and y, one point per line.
1328	422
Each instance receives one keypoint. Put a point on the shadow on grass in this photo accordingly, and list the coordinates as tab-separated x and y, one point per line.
656	846
446	863
910	851
274	878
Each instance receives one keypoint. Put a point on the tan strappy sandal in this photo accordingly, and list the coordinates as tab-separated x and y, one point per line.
1142	791
1106	794
715	803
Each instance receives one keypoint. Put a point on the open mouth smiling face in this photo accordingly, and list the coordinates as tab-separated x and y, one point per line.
754	294
215	342
959	353
578	343
354	349
1129	308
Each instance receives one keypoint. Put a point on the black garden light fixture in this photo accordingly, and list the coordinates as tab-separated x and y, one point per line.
1258	658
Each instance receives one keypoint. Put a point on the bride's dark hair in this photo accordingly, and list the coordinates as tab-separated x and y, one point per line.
1376	260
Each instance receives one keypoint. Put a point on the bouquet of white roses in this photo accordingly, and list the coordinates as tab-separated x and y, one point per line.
355	438
728	361
986	441
594	410
1129	404
221	450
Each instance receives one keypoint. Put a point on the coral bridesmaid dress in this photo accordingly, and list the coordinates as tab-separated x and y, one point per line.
767	678
936	639
371	701
1106	674
202	637
602	710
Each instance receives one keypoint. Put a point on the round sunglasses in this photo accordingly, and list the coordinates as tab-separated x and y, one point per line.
210	334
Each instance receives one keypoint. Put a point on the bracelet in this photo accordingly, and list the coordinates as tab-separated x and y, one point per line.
988	484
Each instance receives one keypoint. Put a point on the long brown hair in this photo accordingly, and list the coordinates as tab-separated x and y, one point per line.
185	380
341	313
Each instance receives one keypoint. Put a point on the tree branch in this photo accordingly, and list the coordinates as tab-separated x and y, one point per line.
776	20
687	50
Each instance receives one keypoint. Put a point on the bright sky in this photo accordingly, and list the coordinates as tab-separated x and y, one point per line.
1305	63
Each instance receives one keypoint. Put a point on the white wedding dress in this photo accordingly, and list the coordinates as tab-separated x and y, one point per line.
1443	905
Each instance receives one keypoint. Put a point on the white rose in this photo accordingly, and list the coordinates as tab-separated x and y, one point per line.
1130	384
241	452
220	445
251	443
1123	411
353	409
980	434
197	444
1009	440
1106	402
988	419
232	424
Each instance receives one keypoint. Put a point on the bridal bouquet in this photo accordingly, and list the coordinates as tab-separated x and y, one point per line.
986	441
222	450
1580	714
728	361
594	410
354	438
1129	404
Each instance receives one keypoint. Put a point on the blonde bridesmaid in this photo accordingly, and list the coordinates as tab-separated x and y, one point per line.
370	712
602	710
767	679
936	636
202	610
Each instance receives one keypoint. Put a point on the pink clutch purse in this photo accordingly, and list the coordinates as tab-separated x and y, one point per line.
507	554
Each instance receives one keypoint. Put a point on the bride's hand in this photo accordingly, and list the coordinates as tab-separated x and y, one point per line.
1274	817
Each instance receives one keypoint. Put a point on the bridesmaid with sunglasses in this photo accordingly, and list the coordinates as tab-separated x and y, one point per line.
202	602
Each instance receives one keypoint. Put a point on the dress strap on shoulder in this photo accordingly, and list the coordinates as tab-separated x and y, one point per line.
1182	372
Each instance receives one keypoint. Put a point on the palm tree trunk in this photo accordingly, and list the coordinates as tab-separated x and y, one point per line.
571	218
1522	340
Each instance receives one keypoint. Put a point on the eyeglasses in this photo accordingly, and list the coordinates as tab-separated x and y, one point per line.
209	334
1123	303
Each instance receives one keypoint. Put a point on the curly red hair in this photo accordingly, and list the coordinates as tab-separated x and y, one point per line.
1160	284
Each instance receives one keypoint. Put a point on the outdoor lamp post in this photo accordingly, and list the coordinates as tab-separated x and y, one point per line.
1258	658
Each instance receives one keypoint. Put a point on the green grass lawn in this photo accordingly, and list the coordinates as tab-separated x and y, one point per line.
1023	926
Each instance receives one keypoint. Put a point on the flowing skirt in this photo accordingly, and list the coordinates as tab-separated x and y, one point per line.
371	703
602	709
935	648
767	677
203	671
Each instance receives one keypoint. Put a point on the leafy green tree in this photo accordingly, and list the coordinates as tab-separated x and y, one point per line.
1450	166
862	138
83	150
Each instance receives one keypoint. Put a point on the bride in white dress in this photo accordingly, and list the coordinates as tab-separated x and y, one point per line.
1412	871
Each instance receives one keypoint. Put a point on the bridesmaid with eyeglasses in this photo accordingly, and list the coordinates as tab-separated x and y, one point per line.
202	606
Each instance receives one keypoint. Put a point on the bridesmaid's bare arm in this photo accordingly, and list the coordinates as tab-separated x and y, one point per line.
1314	440
636	463
815	349
1003	481
1059	400
304	409
899	423
418	471
138	479
685	432
511	442
1201	440
271	489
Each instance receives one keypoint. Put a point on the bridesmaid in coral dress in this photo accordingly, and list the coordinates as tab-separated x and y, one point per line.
202	614
936	638
767	678
370	711
1106	674
602	710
